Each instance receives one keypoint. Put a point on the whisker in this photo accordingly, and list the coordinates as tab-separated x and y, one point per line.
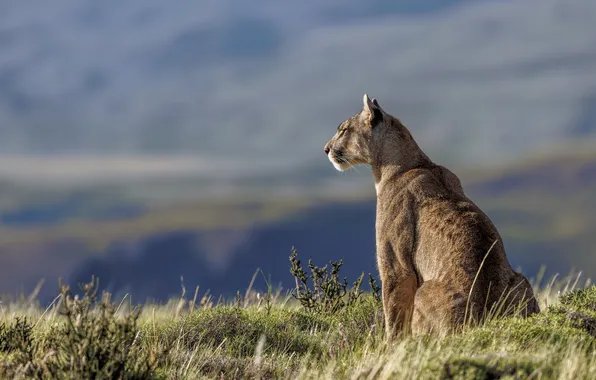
352	165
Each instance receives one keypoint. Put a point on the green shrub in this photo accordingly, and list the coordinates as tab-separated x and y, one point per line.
90	343
322	290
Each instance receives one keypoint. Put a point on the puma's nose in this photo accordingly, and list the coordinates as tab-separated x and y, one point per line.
327	149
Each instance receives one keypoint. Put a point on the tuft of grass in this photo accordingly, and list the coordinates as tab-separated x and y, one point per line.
495	367
16	336
584	299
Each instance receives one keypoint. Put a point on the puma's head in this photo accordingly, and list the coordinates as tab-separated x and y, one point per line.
372	136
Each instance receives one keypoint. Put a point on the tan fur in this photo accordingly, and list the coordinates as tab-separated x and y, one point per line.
440	258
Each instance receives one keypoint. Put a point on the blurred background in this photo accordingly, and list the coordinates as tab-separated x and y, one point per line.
145	140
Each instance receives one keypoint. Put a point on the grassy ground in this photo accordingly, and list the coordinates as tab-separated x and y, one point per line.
272	335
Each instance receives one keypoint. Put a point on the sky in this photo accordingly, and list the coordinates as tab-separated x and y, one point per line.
482	82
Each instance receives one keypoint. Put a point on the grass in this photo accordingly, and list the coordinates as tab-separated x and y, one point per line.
272	335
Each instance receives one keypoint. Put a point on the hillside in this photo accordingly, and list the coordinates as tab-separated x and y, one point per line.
267	335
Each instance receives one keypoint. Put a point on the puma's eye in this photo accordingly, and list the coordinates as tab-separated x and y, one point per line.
341	131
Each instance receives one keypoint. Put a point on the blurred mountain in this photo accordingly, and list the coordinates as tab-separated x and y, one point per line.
560	175
544	209
545	212
490	80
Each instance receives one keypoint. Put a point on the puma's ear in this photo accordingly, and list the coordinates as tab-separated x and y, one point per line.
368	104
372	110
376	104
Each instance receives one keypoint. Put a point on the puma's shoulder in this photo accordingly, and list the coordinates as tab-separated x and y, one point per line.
433	180
448	179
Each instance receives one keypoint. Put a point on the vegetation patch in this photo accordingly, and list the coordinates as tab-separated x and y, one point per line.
236	331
